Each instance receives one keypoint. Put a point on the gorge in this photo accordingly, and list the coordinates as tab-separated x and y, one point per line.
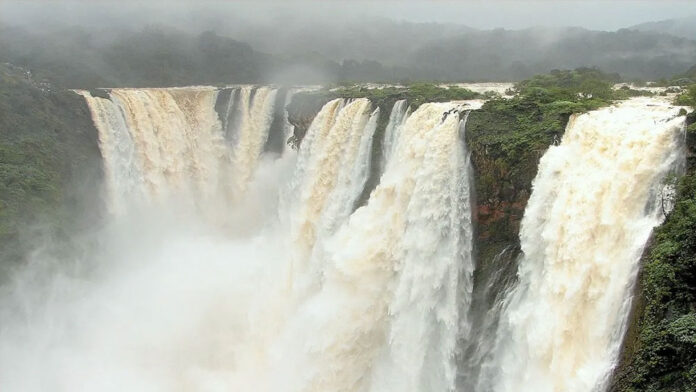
370	258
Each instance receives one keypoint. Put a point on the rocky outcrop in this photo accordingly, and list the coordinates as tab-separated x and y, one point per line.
301	112
504	170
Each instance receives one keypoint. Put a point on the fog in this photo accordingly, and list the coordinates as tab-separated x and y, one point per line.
593	14
214	262
166	301
106	44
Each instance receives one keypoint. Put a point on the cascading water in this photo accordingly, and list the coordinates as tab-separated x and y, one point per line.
381	318
434	224
594	204
171	142
292	273
256	115
398	115
123	176
313	295
333	141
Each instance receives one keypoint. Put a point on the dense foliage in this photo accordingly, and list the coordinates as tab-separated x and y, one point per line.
688	97
49	162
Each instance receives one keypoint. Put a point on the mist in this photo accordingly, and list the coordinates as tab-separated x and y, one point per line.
319	196
160	304
106	44
203	15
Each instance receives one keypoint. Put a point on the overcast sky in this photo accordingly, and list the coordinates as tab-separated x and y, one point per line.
592	14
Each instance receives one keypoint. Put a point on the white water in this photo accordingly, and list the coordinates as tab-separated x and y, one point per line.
123	175
169	143
398	115
286	288
594	203
437	227
256	115
222	269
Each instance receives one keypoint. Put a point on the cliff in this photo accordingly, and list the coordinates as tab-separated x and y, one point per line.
50	165
50	170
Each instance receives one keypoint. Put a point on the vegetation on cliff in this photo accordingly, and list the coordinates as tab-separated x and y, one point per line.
507	136
416	94
49	162
688	97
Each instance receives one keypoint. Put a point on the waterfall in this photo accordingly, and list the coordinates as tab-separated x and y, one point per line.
493	281
256	115
594	203
385	313
277	279
124	179
397	117
320	270
330	147
165	143
426	187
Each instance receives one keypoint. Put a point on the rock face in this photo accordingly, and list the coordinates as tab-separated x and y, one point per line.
301	111
503	181
504	170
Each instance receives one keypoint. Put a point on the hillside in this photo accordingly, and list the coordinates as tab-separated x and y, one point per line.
682	27
50	166
389	52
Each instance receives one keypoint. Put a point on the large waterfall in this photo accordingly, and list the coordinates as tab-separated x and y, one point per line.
596	198
172	143
230	263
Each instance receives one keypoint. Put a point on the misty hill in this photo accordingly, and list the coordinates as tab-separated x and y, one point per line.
150	57
381	51
455	52
682	27
517	55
